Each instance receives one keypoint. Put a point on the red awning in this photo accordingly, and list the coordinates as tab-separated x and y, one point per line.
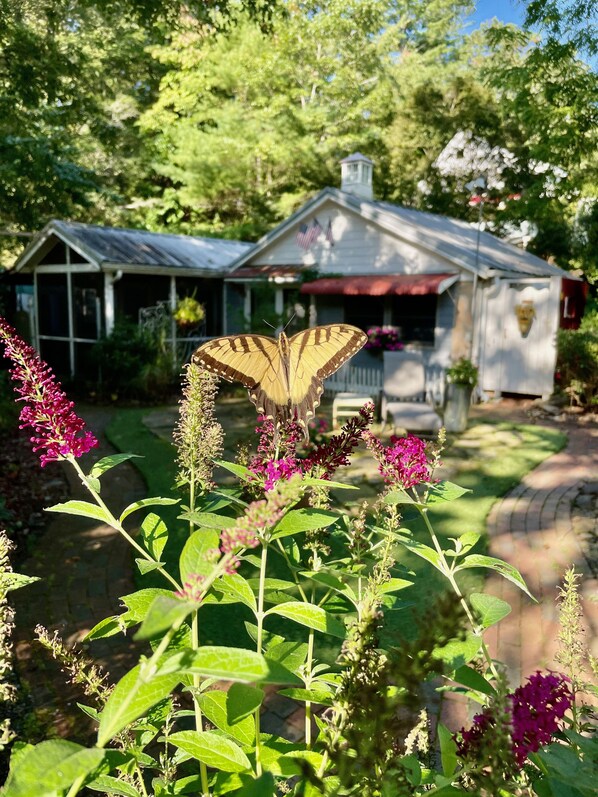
381	285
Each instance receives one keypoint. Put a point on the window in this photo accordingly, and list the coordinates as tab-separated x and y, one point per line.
364	311
414	317
52	299
87	308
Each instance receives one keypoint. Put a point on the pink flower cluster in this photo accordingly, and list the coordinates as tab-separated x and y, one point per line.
383	339
322	461
404	463
58	431
536	710
192	588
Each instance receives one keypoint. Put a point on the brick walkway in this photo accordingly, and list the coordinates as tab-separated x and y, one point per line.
533	528
84	567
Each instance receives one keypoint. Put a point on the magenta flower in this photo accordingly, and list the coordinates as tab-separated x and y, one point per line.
536	710
404	463
58	431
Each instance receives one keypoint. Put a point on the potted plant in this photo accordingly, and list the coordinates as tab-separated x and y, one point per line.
462	377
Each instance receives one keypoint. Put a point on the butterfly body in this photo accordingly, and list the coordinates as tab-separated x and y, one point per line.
284	375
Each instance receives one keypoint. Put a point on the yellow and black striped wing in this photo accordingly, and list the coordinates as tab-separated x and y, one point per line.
314	355
252	360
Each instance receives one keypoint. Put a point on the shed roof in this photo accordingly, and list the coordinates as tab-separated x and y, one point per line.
136	249
453	239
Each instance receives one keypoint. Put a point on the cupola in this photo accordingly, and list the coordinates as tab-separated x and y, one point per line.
356	175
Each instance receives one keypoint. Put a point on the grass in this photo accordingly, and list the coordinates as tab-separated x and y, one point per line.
490	458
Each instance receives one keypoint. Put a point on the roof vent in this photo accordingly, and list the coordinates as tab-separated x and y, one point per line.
356	175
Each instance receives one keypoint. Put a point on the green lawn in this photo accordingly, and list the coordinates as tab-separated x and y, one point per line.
489	459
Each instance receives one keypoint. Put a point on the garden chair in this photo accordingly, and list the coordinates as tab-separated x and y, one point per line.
405	395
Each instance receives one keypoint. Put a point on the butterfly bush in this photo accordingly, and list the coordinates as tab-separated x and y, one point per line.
404	463
59	432
536	711
322	461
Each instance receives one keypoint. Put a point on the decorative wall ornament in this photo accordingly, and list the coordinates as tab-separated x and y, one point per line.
525	312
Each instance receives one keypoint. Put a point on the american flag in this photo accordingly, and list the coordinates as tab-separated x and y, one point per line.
329	235
308	234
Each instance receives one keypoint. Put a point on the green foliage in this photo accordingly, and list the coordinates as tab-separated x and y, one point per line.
463	372
132	363
577	362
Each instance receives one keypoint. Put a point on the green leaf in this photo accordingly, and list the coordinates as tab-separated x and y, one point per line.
242	701
154	534
194	557
109	785
311	481
138	603
237	587
400	497
239	470
164	612
297	521
260	787
107	627
491	610
209	520
472	679
146	502
458	652
145	566
291	654
214	706
318	695
311	616
104	464
448	750
213	750
132	696
502	568
445	491
11	581
228	664
394	585
83	509
50	767
329	580
424	552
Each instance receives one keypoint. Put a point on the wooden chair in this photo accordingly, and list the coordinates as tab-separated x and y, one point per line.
405	395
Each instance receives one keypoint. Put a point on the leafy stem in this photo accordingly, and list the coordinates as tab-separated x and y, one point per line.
259	645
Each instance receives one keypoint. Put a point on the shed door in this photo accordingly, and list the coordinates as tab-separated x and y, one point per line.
521	339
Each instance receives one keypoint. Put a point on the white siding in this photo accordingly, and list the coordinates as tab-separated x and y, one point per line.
511	362
360	247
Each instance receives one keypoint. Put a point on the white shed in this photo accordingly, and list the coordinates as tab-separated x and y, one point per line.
448	287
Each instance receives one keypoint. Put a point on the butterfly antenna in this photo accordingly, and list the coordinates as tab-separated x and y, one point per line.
289	321
268	324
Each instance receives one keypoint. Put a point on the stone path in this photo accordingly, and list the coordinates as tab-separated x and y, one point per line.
84	567
543	526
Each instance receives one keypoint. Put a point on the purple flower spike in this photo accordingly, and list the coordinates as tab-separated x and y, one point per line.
58	432
404	463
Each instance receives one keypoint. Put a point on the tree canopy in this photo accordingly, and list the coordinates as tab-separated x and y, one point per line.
221	118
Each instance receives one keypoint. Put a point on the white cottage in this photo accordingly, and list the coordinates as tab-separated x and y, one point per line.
449	288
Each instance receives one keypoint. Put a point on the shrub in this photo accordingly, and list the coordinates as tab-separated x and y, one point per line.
463	372
577	363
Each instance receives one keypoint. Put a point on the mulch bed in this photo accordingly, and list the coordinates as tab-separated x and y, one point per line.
25	490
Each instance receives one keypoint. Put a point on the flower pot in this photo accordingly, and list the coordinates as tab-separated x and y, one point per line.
456	411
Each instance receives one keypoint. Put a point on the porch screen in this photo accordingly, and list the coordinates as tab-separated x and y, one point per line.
53	309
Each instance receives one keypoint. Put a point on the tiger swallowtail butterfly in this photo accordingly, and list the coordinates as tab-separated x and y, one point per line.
283	376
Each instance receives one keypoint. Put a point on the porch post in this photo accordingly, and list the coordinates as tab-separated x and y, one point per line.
224	308
247	305
109	280
279	302
69	293
173	329
313	313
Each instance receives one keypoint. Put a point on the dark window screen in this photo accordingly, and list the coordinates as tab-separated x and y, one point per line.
52	300
87	305
364	311
415	317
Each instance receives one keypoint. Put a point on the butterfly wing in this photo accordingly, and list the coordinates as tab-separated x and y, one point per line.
253	360
315	354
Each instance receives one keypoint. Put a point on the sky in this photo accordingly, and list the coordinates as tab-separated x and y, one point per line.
504	10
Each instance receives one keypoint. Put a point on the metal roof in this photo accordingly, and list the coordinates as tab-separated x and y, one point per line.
452	239
106	246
